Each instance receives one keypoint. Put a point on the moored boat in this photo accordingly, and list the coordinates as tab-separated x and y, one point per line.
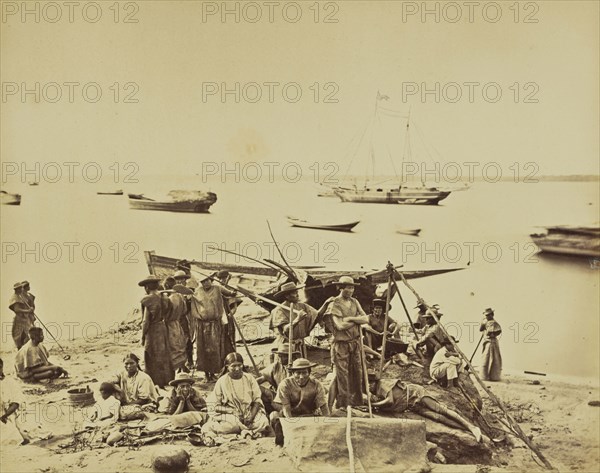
117	192
402	192
569	240
409	231
398	195
175	201
339	227
10	199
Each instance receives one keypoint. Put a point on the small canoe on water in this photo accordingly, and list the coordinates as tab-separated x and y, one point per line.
409	231
117	192
338	227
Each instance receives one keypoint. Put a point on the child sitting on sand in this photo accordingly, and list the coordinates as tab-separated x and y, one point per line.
106	411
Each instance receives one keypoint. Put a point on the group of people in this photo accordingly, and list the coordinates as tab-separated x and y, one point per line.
175	317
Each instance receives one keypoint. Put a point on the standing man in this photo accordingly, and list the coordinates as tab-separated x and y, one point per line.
303	321
492	359
24	318
347	316
181	310
209	311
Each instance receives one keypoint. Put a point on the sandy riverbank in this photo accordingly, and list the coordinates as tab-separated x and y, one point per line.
555	413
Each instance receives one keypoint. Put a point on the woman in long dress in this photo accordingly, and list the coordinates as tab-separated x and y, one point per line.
492	359
155	338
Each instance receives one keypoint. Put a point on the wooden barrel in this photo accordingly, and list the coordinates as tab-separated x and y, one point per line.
81	396
393	347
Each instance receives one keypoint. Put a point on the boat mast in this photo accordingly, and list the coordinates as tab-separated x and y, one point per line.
407	150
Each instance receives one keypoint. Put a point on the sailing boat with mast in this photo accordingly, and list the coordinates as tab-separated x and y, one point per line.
400	194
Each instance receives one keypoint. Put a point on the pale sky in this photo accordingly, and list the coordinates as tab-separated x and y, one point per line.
171	55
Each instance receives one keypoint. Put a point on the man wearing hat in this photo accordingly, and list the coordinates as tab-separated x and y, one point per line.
375	327
24	318
184	398
304	320
181	311
347	316
273	374
300	395
492	359
433	338
211	326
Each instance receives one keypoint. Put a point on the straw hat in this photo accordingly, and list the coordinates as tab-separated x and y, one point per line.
287	288
488	311
149	279
301	364
18	285
284	349
346	281
180	275
381	303
182	378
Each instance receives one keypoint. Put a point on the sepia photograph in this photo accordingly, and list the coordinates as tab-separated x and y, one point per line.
351	236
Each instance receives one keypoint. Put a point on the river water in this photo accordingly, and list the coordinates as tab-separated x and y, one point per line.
83	255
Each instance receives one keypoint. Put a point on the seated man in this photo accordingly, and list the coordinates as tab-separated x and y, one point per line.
433	336
137	389
238	408
394	396
273	374
184	398
446	364
31	362
300	395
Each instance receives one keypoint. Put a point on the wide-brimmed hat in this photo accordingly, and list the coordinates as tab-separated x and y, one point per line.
346	281
287	288
301	364
182	378
381	303
25	283
17	285
149	279
180	275
284	349
431	312
488	311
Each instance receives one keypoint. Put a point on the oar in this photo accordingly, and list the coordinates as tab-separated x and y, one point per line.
65	356
477	347
281	253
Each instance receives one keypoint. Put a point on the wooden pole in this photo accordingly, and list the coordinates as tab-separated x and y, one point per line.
291	336
245	345
477	347
364	370
387	315
514	425
349	439
412	326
